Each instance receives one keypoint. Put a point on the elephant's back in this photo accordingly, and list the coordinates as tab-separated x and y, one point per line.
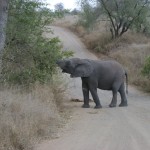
109	66
107	73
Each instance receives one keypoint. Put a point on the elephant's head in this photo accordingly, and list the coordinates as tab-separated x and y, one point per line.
76	67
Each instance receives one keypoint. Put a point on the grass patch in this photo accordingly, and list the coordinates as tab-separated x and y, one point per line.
97	42
26	117
133	58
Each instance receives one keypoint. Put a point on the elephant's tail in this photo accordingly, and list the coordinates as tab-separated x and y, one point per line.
126	81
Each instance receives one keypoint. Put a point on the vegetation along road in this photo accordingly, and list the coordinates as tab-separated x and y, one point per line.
126	128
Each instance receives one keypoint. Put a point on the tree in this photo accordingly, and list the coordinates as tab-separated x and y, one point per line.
124	14
3	20
75	11
88	13
59	7
59	10
28	55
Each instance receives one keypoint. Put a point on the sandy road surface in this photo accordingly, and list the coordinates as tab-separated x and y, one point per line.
117	128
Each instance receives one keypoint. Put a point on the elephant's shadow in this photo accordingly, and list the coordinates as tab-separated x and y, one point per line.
76	100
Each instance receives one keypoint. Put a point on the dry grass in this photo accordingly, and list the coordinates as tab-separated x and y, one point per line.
66	21
97	42
127	39
103	43
94	39
26	117
78	29
133	58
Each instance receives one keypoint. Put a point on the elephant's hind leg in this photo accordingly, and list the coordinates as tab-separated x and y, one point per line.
115	89
114	99
123	96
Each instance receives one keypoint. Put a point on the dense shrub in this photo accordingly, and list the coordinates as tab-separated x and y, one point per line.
28	56
146	68
27	117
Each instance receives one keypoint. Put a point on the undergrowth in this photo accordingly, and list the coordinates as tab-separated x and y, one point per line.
29	116
28	56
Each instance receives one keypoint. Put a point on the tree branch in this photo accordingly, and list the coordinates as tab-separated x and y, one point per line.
109	14
139	12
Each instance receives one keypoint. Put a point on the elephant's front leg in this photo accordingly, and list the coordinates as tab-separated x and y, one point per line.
85	91
93	91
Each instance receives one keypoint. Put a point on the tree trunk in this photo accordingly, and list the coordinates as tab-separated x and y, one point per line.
3	21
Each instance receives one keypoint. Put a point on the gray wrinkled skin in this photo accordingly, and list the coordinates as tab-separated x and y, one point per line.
105	75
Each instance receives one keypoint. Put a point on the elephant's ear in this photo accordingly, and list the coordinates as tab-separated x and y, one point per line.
84	68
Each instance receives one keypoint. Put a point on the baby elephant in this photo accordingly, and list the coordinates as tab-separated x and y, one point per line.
105	75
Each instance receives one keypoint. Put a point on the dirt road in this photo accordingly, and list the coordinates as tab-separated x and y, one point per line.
117	128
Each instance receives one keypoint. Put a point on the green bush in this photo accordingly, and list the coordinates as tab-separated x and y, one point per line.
146	68
28	56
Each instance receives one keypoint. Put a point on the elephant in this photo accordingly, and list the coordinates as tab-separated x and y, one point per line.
102	74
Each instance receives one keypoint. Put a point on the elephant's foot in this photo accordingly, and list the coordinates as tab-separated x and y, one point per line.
112	105
98	106
123	104
85	106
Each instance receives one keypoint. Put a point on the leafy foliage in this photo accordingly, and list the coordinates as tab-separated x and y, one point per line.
122	14
28	56
146	68
60	11
125	14
88	15
87	18
59	7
